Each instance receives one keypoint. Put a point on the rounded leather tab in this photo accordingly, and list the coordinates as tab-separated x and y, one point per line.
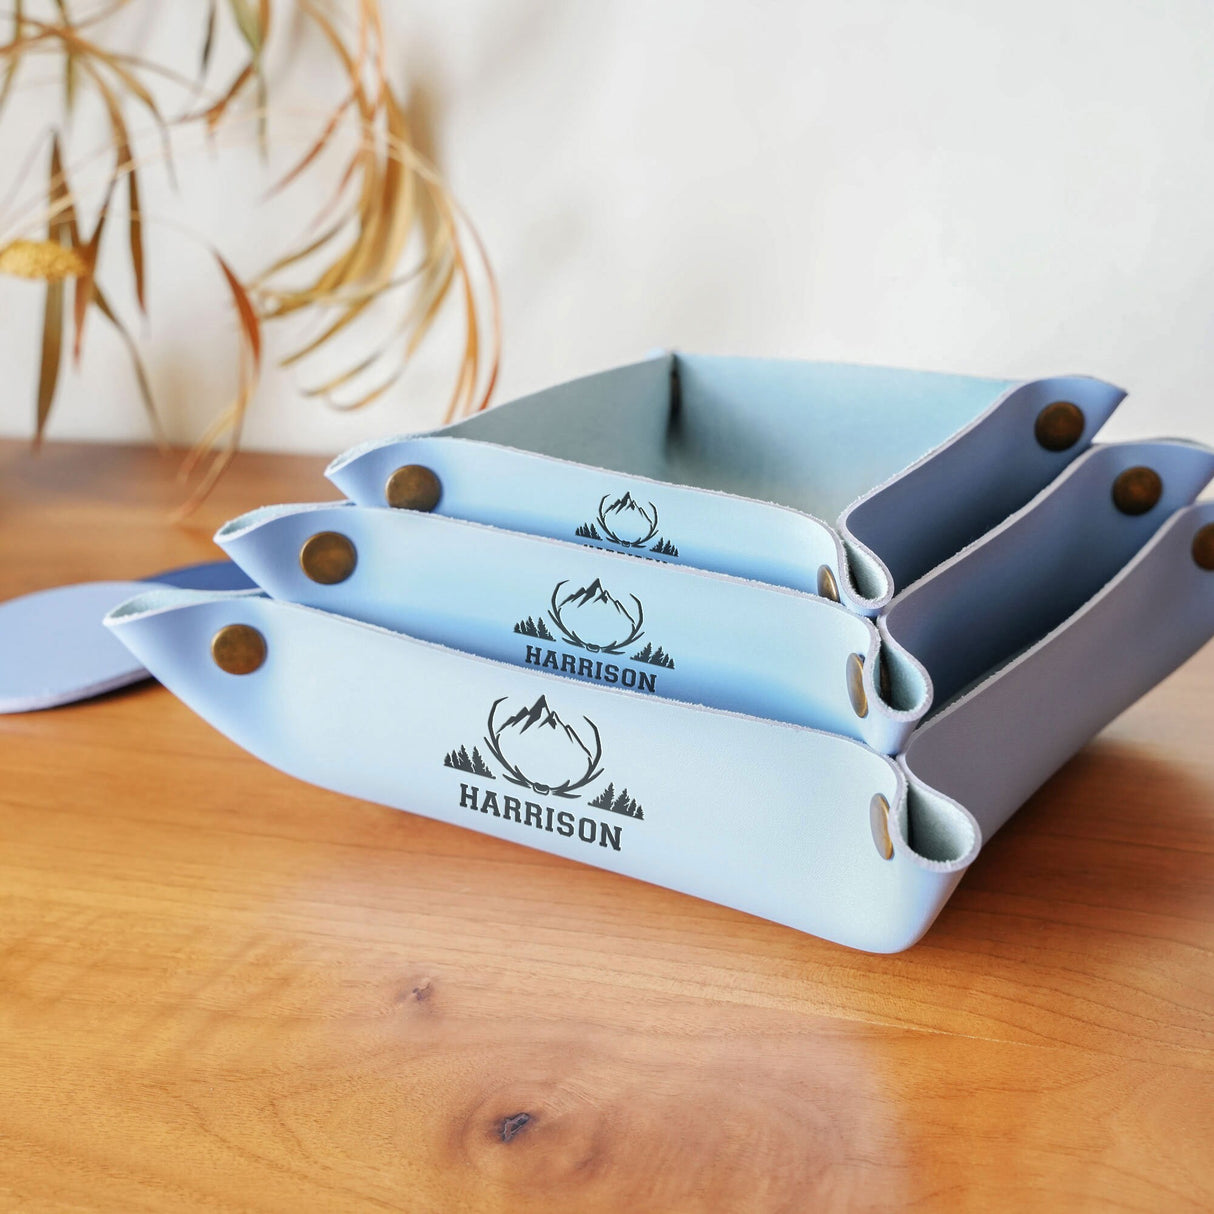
1203	547
1059	425
1137	490
413	487
855	685
328	557
828	588
238	649
878	821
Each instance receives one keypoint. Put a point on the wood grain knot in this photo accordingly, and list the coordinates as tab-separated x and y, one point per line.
418	992
511	1127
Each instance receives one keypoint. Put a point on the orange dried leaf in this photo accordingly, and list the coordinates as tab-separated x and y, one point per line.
247	314
135	237
345	376
14	56
369	397
296	256
84	284
208	39
63	207
69	64
213	115
347	317
62	231
124	162
52	347
322	142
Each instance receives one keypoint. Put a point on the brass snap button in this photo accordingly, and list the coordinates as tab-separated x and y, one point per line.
1203	547
878	821
238	649
413	487
855	685
328	557
1136	490
828	588
1059	425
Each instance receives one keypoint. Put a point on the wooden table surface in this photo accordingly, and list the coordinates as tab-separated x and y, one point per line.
222	989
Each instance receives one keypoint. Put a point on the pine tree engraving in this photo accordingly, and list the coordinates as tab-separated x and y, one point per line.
626	805
534	628
654	657
618	804
605	799
459	760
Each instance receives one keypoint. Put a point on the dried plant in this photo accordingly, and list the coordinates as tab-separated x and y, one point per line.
387	201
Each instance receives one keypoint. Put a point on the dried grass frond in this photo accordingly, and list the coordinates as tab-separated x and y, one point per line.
62	231
387	201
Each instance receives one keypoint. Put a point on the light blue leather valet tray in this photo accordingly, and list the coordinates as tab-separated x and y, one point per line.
736	465
724	735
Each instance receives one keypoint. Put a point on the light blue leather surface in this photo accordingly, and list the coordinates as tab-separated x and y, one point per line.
538	495
805	441
933	509
744	646
1040	566
54	650
208	575
769	818
993	747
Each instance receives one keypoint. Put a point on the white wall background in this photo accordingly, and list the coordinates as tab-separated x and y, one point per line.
1005	189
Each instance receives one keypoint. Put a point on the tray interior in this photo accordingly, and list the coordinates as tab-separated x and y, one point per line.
812	436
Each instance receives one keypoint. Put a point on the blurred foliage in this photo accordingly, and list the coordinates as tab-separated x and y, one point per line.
386	201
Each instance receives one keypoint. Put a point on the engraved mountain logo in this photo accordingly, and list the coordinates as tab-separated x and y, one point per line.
624	521
593	619
535	739
538	751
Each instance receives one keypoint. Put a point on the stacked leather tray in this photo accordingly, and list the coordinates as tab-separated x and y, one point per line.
609	621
